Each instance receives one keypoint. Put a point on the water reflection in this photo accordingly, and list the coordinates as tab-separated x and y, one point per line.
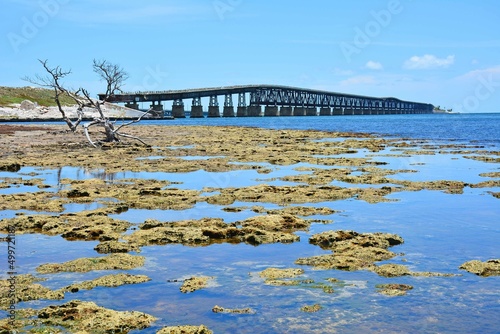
441	231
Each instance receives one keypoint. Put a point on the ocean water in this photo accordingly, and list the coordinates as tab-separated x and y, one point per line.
483	127
441	231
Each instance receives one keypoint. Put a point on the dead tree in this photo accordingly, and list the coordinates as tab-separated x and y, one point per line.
113	75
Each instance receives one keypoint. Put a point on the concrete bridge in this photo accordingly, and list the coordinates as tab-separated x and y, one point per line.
276	100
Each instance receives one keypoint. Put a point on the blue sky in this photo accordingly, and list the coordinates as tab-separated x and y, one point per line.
442	52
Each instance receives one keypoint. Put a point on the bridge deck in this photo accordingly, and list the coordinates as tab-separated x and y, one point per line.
273	96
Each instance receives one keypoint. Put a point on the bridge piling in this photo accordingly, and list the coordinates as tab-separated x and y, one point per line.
241	111
286	111
311	111
337	111
196	112
271	111
348	111
178	111
213	108
132	105
254	111
228	111
325	111
299	111
156	107
213	111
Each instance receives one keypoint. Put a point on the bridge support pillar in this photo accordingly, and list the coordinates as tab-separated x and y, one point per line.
254	111
348	111
241	112
286	111
271	111
178	111
311	111
213	111
299	111
196	112
156	107
357	111
337	111
228	111
324	111
132	105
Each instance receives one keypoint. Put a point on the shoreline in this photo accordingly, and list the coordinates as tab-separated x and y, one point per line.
86	119
30	112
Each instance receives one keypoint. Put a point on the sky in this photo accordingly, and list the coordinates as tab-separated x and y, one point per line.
442	52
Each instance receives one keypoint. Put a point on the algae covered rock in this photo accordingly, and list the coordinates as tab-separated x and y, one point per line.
332	261
195	283
311	308
220	309
398	270
185	330
108	281
23	288
336	240
275	273
392	270
351	250
113	246
206	231
110	262
393	289
488	268
86	225
87	316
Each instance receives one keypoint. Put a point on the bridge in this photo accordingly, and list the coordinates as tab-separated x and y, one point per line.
276	100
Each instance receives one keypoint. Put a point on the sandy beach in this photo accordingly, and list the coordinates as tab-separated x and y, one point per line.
28	111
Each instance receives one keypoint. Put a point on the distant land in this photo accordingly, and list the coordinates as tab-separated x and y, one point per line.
41	96
33	104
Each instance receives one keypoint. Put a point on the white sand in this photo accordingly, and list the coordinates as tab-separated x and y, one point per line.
27	112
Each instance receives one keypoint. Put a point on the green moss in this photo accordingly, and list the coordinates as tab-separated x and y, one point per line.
42	96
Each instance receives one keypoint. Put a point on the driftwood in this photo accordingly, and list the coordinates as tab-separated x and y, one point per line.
113	75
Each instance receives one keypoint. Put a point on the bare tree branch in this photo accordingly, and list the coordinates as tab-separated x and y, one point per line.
86	129
136	120
53	81
112	74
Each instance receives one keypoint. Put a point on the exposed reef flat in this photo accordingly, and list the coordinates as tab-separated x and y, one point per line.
322	169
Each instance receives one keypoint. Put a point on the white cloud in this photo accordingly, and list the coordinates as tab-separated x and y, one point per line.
428	62
483	72
373	65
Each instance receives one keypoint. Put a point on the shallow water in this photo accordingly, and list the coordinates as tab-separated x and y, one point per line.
441	231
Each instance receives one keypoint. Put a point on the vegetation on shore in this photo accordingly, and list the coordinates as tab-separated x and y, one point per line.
42	96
